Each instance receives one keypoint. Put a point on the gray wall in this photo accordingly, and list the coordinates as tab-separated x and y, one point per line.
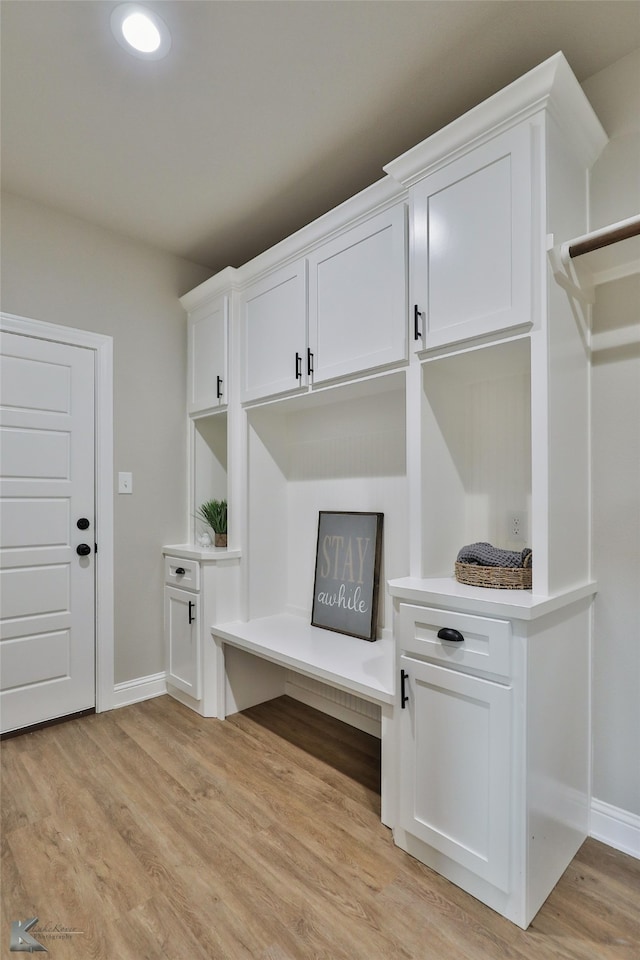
615	195
63	270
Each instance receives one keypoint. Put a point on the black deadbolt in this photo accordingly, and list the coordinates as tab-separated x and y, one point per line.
83	524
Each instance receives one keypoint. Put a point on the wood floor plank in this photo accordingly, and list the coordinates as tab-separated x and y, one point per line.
159	834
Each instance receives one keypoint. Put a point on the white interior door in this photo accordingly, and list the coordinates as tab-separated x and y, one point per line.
47	627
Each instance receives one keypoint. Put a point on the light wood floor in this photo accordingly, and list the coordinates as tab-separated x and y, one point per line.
157	834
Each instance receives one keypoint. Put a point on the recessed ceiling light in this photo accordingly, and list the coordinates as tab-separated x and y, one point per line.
140	31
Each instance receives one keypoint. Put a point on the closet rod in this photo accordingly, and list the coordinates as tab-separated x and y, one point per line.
607	235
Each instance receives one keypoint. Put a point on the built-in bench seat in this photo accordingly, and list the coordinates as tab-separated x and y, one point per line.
356	666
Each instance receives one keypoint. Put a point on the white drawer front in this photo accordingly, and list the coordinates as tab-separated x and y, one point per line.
182	573
486	643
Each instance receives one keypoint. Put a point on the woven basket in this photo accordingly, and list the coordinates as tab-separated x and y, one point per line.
503	578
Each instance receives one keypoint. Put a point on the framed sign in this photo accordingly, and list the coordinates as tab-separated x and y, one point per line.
345	590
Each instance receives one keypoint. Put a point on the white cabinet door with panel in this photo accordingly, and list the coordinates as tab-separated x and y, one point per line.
201	588
208	356
455	742
183	640
472	243
357	298
274	333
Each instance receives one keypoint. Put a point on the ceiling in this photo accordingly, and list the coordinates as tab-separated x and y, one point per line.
265	114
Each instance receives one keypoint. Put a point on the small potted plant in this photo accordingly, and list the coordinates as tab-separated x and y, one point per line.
214	514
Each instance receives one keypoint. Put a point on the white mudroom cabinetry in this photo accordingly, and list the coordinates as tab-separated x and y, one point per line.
455	736
201	587
208	356
182	627
493	740
471	256
493	750
274	328
449	411
337	312
357	298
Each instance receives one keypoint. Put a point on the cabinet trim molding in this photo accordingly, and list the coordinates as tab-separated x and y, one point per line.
552	85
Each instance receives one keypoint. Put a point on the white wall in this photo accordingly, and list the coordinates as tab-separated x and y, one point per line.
615	195
62	270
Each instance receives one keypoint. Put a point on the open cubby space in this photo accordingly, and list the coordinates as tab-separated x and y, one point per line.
341	450
209	480
476	452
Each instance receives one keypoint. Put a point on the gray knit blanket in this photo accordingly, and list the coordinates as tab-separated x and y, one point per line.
485	555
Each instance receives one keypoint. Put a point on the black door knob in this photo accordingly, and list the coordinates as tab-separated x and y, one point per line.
83	524
83	549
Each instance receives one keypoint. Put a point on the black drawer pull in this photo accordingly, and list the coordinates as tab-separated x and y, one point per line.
180	571
416	323
451	635
192	607
404	696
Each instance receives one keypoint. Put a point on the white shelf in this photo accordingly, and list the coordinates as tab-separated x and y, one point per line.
515	604
356	666
190	551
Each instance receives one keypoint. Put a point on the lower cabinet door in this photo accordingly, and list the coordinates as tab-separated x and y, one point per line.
455	785
182	638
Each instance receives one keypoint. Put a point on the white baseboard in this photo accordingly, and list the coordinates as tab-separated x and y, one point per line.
142	688
615	827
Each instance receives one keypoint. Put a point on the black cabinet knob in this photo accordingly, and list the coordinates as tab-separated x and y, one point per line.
83	549
180	571
448	633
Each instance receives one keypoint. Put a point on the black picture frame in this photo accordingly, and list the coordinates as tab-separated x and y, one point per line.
347	573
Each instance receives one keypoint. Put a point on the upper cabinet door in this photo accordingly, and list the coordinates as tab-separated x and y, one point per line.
358	298
208	351
472	243
274	333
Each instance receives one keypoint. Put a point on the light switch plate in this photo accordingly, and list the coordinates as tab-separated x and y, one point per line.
125	483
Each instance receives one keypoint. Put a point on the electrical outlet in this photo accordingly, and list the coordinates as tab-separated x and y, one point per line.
516	526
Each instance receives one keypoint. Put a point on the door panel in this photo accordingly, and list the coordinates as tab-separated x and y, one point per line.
47	631
454	760
357	298
472	228
207	376
274	330
181	612
36	659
